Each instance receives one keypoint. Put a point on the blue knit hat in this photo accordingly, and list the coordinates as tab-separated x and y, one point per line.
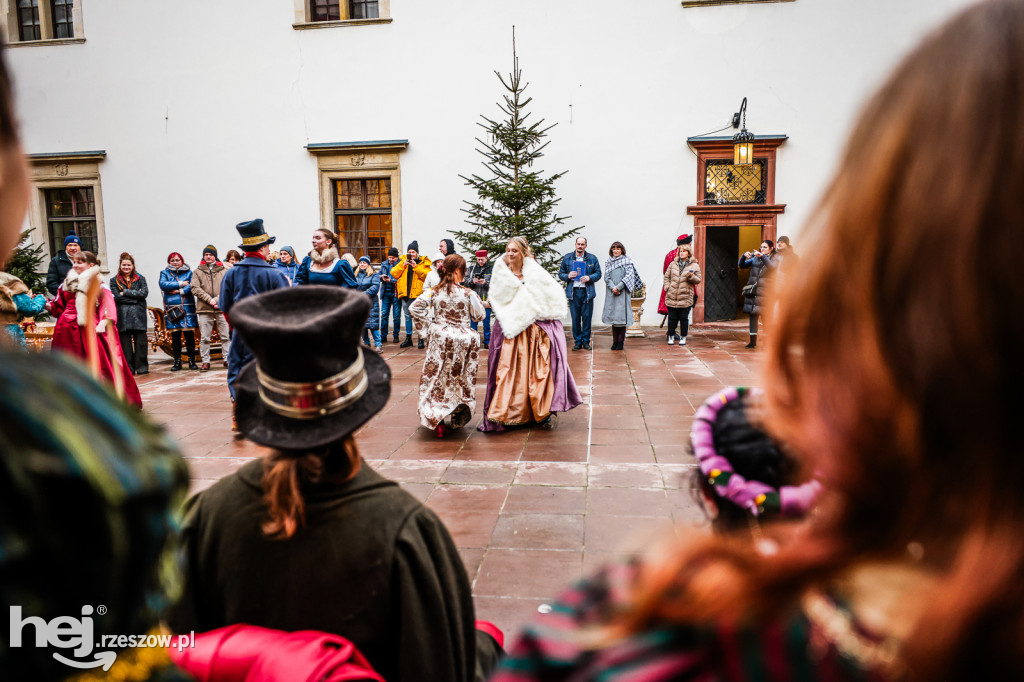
72	239
365	259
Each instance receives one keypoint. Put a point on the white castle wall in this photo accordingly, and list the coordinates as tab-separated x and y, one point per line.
204	108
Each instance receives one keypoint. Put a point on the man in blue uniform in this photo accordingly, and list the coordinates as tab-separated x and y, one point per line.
253	275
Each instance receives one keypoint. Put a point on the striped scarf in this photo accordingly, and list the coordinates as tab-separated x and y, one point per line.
630	278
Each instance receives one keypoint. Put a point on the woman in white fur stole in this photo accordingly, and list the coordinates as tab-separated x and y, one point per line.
528	375
69	332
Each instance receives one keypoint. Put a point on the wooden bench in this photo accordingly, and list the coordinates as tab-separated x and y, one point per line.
160	338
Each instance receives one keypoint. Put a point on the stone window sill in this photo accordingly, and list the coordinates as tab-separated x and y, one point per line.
343	22
53	41
710	3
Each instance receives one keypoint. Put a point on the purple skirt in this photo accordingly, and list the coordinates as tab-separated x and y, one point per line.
566	397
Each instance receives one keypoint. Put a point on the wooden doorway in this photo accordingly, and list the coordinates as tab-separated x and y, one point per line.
724	216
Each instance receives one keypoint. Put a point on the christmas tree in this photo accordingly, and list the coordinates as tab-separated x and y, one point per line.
515	199
24	264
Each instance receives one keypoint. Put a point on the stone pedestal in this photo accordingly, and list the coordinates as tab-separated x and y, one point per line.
635	330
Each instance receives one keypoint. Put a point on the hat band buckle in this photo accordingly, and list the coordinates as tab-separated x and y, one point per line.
309	400
252	241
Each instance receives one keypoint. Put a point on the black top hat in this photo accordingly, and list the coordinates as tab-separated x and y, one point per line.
310	384
253	235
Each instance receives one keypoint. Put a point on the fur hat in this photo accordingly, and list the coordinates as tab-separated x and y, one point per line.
300	401
684	239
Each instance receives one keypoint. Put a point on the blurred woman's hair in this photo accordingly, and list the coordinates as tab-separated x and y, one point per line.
8	123
285	474
897	380
233	254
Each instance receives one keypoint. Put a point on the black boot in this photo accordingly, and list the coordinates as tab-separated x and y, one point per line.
753	341
176	367
420	346
192	364
407	343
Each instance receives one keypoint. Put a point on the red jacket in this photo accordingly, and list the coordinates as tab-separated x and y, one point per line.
246	653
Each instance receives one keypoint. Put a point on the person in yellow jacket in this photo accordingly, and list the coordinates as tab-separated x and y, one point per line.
409	273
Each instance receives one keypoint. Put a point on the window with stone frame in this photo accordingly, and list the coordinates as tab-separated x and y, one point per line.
362	213
42	22
705	3
325	13
71	210
361	194
67	198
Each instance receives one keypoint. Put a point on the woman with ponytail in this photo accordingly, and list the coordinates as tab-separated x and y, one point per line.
310	537
448	381
897	383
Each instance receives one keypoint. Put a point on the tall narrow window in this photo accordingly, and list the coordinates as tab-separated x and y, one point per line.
63	24
363	9
326	10
362	211
71	210
28	20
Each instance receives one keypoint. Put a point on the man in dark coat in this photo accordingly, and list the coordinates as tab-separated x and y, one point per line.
61	263
478	279
367	561
253	275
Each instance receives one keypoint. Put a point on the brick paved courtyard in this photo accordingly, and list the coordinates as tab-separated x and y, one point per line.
531	509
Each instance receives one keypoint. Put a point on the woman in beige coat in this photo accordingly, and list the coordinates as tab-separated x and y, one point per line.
681	280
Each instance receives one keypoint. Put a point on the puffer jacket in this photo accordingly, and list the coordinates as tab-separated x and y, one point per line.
206	281
409	280
368	281
681	280
175	294
762	270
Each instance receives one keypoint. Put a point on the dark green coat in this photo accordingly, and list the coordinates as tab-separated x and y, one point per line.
371	564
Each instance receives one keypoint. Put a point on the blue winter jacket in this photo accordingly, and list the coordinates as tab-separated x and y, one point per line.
593	271
369	282
175	294
289	270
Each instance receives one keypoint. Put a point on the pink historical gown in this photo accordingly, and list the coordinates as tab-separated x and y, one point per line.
69	333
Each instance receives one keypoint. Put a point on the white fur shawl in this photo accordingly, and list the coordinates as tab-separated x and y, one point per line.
518	304
78	285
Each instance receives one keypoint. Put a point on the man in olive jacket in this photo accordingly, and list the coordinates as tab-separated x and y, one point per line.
206	281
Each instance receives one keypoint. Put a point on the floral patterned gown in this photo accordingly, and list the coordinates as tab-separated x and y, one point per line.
448	382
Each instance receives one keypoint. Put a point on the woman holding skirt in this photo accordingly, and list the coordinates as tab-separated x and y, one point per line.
528	375
448	382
